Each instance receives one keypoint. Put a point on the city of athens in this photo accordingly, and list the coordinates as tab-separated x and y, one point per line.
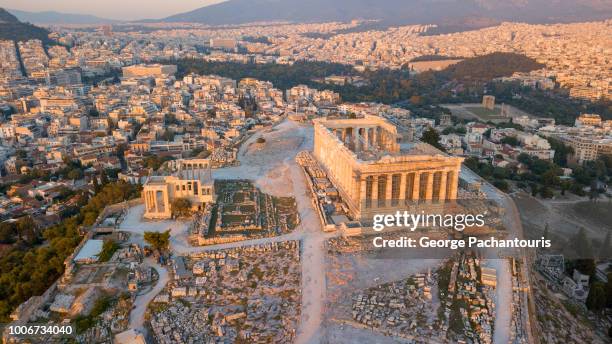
306	172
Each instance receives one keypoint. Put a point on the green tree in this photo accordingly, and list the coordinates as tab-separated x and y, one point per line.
582	244
546	192
501	184
577	189
562	151
168	135
585	266
609	291
501	173
582	176
593	192
27	230
158	241
108	249
596	300
565	185
524	158
510	140
550	177
103	177
8	232
154	162
432	137
120	151
75	174
95	184
472	163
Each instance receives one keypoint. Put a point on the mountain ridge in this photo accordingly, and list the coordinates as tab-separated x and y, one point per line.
13	30
54	17
395	11
7	17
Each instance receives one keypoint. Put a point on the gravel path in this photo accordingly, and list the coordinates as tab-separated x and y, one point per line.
503	292
137	316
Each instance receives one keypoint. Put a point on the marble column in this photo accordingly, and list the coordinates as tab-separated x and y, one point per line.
443	186
429	191
152	200
417	186
402	187
362	191
375	137
409	191
146	200
374	188
436	179
389	188
167	201
369	180
454	184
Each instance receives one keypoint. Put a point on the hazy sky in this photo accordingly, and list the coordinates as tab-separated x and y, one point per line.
112	9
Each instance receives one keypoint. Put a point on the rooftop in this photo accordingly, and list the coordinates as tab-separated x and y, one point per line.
411	149
204	176
90	251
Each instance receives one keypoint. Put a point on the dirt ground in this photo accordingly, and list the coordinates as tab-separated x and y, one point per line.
471	111
596	214
564	217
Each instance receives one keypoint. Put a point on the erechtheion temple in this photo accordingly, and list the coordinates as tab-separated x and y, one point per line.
194	184
372	171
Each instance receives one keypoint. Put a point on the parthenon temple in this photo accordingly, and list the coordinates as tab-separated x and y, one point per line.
374	173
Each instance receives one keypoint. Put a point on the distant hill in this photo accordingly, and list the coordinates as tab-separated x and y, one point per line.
12	29
52	17
6	17
397	11
487	67
460	24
